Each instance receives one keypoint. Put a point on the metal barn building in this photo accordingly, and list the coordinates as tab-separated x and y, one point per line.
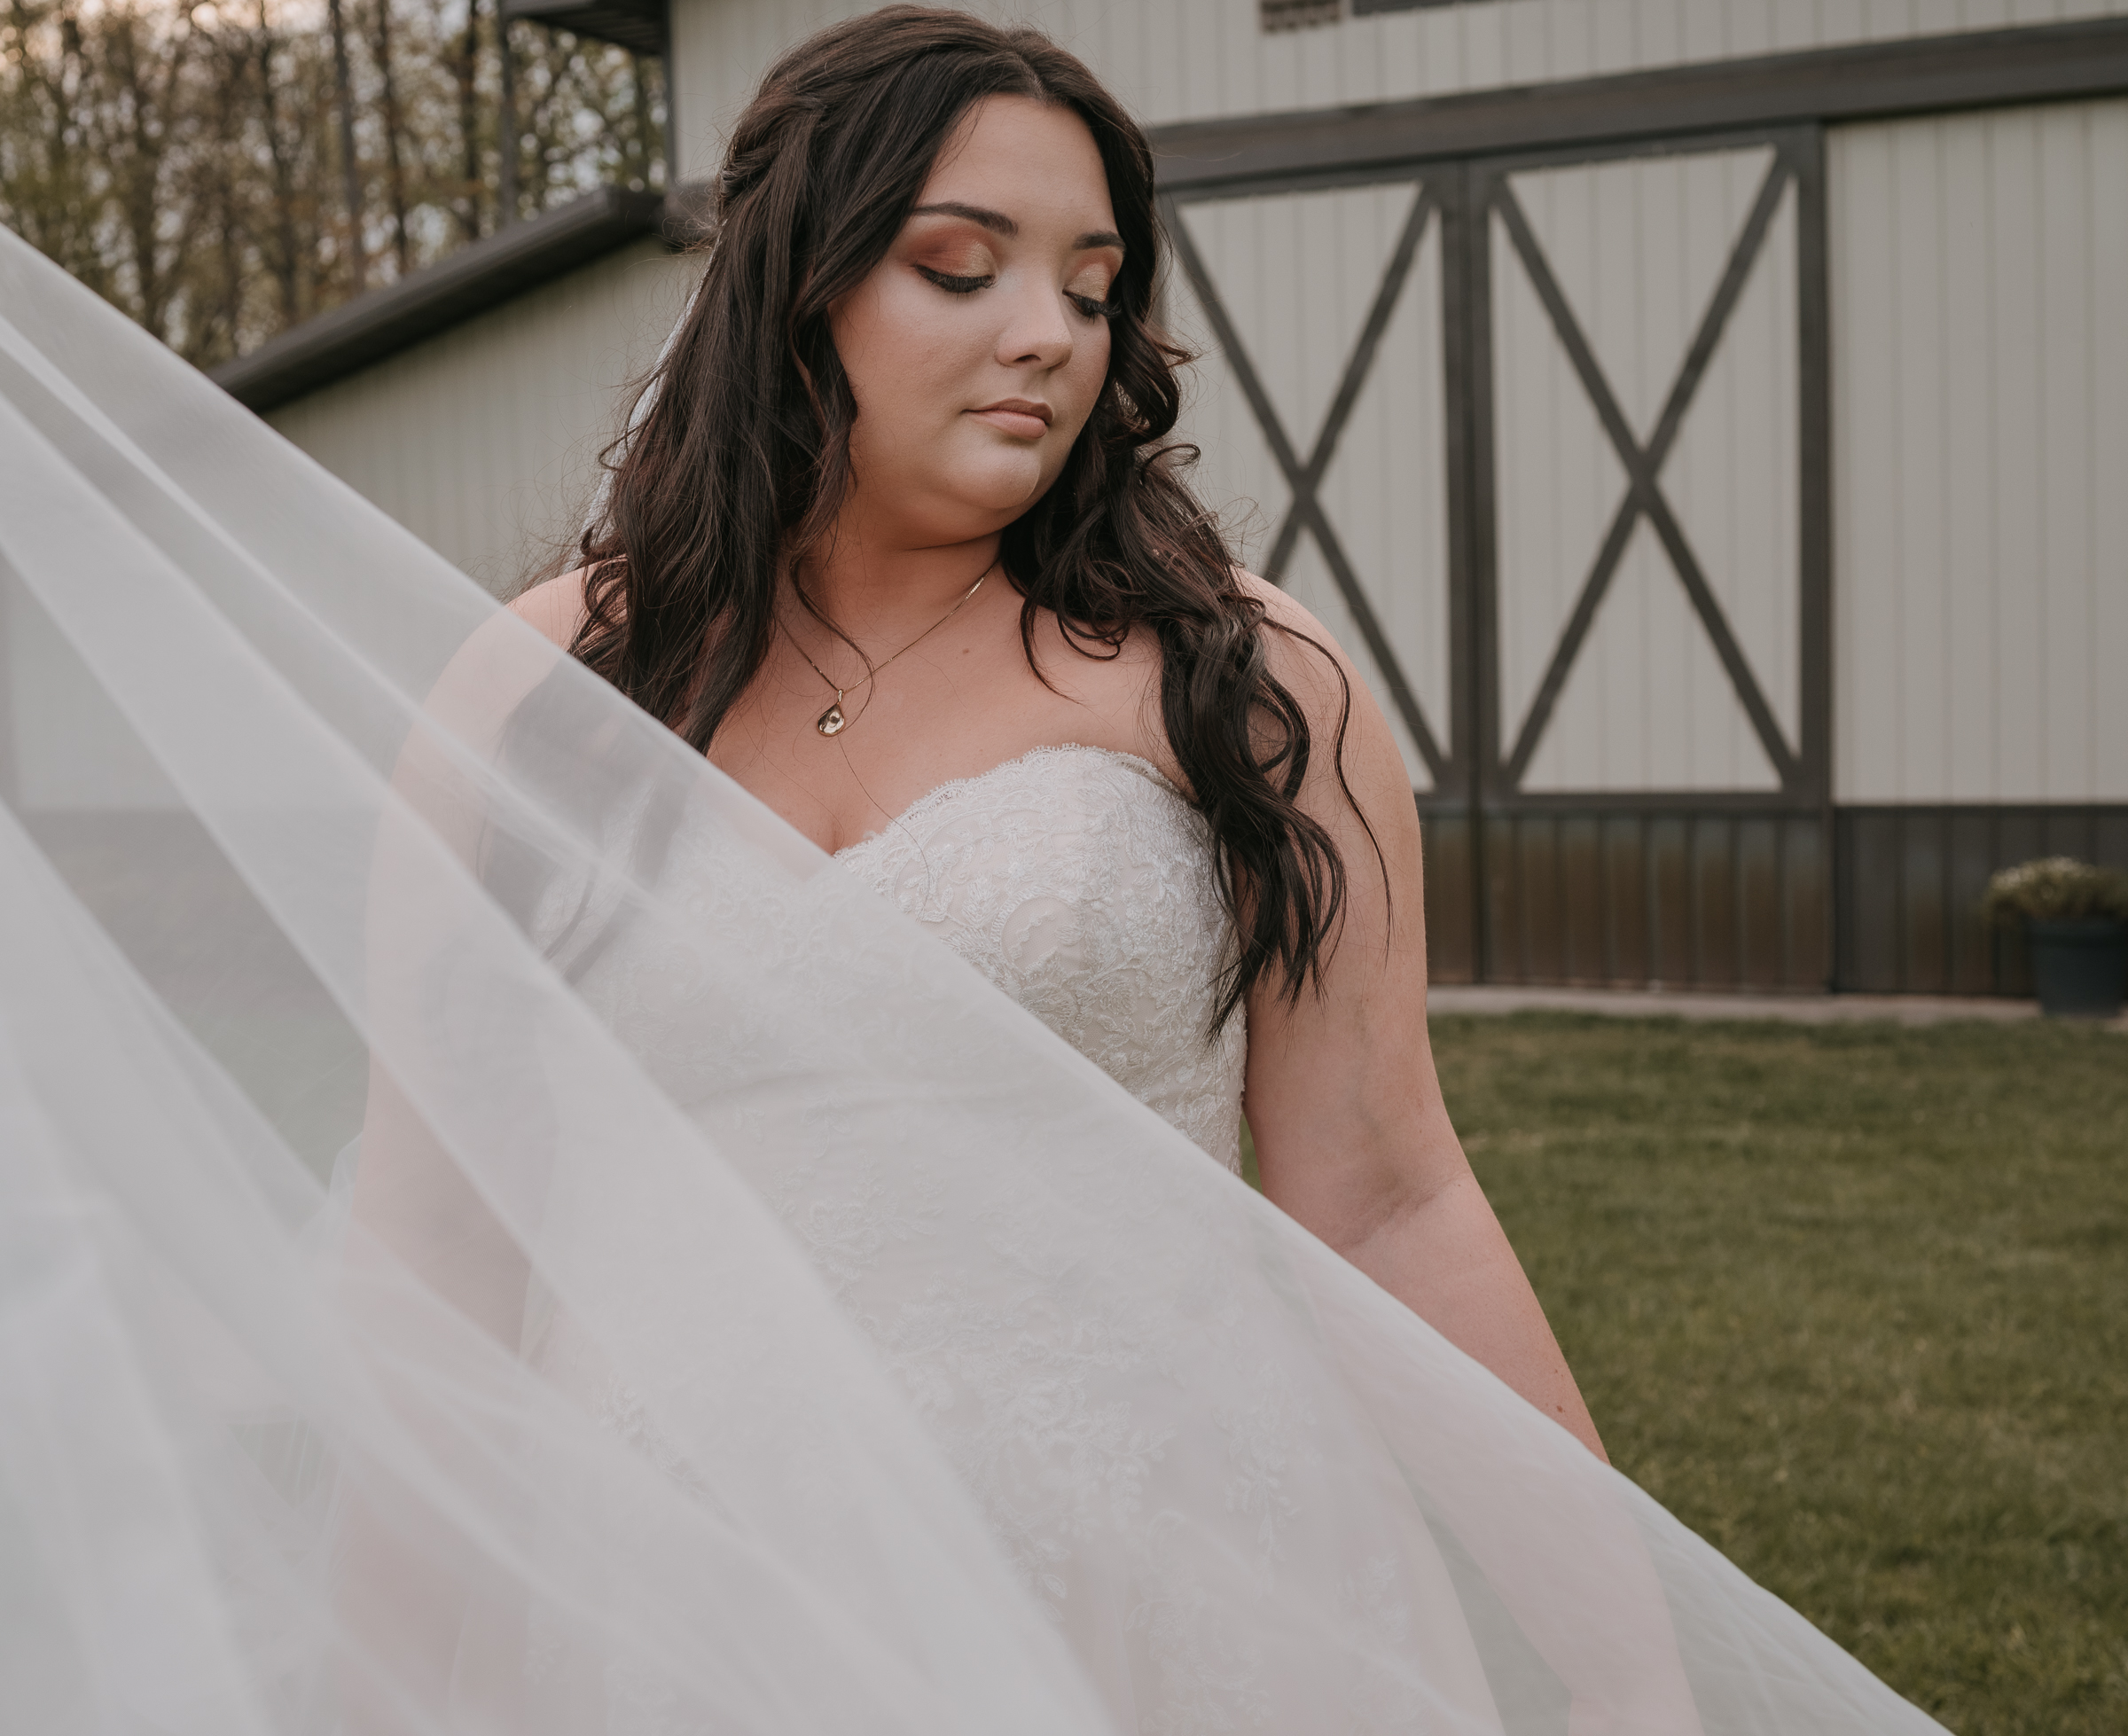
1706	420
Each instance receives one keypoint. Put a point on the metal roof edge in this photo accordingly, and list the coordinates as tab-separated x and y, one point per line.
1857	81
644	26
477	277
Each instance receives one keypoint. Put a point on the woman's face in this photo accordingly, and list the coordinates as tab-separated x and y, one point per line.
977	347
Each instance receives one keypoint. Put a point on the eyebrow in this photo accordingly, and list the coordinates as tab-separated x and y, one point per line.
998	223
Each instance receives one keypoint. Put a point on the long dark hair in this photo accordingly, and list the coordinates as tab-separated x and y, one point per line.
741	461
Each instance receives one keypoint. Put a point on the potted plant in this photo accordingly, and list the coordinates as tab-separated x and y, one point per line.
2075	919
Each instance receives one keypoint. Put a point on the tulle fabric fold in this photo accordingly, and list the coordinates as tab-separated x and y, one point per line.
501	1235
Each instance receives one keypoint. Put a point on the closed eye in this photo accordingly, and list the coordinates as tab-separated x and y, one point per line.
954	285
1093	308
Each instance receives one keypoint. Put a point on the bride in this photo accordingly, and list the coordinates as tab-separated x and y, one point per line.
734	1312
899	547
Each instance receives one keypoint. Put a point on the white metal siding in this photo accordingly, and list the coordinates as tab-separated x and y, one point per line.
1196	59
483	441
1638	246
1980	368
1298	274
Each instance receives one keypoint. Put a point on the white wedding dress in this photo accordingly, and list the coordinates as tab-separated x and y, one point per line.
729	1313
1080	881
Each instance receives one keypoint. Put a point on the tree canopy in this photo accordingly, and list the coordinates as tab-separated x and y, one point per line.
222	171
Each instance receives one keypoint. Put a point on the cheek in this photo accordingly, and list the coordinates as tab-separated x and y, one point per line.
860	328
904	350
1087	372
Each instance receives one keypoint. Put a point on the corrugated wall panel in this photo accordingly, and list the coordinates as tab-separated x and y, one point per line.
1911	880
1638	246
1452	953
1623	899
1734	479
483	441
1298	274
1980	366
1387	487
1197	59
1559	482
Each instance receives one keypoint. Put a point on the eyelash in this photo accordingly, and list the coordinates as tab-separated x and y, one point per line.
1089	306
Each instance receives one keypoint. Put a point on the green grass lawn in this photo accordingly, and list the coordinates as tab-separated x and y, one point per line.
1852	1302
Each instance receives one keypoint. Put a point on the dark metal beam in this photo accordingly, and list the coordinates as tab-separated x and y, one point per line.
1498	804
471	281
1644	470
642	26
1306	508
1973	69
1814	473
1357	366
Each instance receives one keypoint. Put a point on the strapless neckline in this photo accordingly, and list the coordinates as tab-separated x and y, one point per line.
939	793
1084	884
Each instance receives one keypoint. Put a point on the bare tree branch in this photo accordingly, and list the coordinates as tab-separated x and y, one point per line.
201	163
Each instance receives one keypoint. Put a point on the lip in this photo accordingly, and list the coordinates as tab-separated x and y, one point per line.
1020	417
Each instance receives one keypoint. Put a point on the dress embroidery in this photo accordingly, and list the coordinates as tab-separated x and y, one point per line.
1080	881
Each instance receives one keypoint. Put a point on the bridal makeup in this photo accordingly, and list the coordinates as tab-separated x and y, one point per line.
978	347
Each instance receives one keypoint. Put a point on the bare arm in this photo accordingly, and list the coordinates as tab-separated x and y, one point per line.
1352	1137
556	606
408	1588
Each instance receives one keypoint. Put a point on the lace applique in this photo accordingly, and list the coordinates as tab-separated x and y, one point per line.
1081	882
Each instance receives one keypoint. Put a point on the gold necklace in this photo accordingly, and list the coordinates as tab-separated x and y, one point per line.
834	721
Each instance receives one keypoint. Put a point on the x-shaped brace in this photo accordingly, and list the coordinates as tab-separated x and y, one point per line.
1305	511
1643	469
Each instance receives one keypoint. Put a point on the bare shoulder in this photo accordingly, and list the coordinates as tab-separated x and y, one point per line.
1278	604
1305	656
1313	667
555	607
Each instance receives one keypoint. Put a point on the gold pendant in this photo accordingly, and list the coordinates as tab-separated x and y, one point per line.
831	722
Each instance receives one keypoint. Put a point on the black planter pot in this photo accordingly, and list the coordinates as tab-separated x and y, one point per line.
2080	965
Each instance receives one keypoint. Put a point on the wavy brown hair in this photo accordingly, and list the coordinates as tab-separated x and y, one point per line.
740	461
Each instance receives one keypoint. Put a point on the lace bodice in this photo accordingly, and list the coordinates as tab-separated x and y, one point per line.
1080	881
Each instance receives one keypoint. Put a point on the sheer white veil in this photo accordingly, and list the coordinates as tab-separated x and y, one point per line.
497	1234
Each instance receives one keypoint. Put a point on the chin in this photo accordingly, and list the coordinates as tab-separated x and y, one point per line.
1002	483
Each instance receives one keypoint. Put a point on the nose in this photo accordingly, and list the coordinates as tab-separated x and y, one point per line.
1038	331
